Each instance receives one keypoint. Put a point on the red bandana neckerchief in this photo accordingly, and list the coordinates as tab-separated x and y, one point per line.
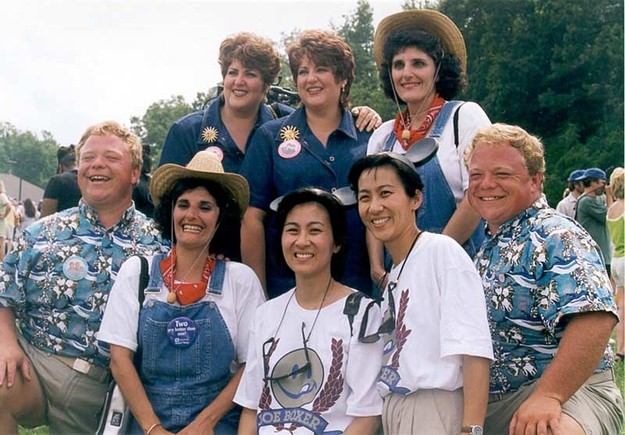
400	126
186	292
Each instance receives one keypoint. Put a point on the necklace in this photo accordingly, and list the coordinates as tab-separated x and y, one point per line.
414	242
184	292
323	299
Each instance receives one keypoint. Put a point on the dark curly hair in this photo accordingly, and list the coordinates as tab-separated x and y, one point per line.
324	49
451	78
228	211
336	215
253	52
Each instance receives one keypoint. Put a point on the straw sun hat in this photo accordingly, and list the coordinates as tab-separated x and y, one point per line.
205	165
427	20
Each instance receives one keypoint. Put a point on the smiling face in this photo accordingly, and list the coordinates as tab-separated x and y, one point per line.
307	240
413	74
317	85
500	186
195	219
106	175
385	208
243	87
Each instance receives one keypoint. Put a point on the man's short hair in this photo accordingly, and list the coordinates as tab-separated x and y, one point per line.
530	147
114	128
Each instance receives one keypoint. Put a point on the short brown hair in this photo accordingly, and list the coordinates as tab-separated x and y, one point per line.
253	52
327	49
114	128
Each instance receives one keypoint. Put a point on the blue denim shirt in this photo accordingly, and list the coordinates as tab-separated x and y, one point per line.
58	278
537	269
273	169
200	130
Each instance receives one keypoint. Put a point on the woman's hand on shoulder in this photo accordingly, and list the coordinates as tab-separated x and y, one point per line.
366	118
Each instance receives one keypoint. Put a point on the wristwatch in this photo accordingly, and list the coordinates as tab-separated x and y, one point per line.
473	430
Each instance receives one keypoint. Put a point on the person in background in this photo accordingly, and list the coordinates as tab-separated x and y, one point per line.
616	226
62	191
54	287
437	347
591	211
12	221
313	147
551	310
5	209
576	187
308	371
141	192
422	60
184	381
30	214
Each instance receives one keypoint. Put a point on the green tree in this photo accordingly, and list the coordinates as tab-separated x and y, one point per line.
554	67
27	156
153	126
357	30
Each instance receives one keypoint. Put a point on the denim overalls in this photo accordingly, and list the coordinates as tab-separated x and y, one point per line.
186	353
438	203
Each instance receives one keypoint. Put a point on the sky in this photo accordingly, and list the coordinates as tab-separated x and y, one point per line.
67	64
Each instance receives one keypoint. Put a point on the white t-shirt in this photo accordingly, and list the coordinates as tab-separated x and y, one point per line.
342	384
440	312
241	295
471	118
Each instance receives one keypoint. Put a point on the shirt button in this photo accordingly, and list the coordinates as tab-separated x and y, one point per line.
331	158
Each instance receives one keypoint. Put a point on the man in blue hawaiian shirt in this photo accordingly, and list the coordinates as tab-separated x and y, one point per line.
55	284
551	310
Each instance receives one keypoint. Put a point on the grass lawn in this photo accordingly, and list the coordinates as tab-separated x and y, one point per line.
619	369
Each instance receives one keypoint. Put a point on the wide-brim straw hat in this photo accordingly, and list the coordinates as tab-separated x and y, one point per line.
205	165
430	21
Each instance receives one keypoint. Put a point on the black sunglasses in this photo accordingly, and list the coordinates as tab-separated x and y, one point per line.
388	324
267	346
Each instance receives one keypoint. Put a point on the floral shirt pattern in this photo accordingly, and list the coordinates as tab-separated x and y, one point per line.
57	280
538	268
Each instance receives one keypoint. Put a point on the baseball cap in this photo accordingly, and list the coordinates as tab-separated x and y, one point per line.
595	173
577	175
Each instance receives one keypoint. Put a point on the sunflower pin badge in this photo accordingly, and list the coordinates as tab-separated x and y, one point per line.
210	135
290	147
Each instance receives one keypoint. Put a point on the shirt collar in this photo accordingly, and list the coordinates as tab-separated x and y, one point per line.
91	215
517	221
298	120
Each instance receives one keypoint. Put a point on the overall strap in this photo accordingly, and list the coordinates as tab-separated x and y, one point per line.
216	283
390	142
442	118
156	278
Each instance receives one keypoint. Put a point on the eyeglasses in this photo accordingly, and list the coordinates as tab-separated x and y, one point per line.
388	324
268	348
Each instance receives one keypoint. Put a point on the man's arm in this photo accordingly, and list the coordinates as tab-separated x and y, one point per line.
581	349
462	223
12	357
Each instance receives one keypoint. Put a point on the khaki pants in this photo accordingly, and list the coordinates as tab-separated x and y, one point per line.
73	400
597	406
424	412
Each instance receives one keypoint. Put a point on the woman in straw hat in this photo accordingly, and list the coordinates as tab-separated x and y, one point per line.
191	331
310	368
314	146
421	58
